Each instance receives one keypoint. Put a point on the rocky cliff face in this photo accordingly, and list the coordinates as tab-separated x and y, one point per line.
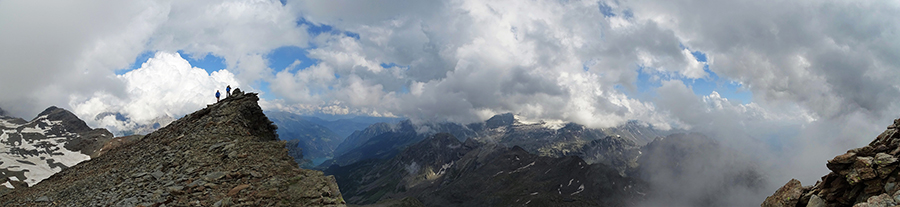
224	154
862	177
31	151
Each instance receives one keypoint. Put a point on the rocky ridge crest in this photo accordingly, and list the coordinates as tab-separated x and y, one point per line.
226	154
862	177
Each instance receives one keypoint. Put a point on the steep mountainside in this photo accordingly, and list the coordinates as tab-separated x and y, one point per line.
381	141
617	152
862	177
224	154
392	140
344	127
442	171
31	151
316	140
359	138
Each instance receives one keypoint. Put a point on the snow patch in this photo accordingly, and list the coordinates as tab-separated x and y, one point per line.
46	154
580	189
522	168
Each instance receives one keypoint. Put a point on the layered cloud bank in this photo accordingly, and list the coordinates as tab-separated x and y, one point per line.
824	75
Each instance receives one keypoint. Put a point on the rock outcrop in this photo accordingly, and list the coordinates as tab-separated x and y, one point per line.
862	177
226	154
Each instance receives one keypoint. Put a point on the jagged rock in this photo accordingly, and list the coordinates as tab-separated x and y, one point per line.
787	195
170	166
883	200
863	177
883	159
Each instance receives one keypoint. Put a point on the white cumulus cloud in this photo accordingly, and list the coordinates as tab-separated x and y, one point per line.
164	86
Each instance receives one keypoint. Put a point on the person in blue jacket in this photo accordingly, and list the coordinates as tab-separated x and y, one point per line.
228	91
217	95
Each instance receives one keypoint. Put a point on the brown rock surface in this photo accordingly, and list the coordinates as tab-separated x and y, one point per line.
226	154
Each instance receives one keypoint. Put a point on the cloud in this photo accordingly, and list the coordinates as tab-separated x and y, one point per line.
465	61
823	74
831	57
52	50
164	86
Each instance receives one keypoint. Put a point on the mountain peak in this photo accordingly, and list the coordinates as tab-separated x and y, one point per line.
226	152
71	122
501	120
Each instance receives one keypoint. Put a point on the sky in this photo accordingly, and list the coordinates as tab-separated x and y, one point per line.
800	80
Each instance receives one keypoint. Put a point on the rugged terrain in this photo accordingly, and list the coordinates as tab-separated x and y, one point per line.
383	141
442	171
226	154
862	177
31	151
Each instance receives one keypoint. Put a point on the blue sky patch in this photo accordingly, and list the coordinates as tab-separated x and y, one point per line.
606	10
208	62
317	29
282	57
700	56
726	89
140	60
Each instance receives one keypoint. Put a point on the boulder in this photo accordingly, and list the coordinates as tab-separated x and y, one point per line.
787	195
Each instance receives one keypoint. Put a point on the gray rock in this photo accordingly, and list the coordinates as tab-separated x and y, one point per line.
42	199
137	175
883	200
157	174
176	188
223	203
196	183
213	176
815	201
889	187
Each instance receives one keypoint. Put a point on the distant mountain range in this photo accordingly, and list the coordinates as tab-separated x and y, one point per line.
31	151
506	161
317	139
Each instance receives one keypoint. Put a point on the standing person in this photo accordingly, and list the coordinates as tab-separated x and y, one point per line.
228	91
217	95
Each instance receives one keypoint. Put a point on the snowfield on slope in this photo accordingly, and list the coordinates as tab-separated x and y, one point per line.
34	159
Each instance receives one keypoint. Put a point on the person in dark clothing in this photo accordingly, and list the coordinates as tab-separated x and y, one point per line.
228	91
217	95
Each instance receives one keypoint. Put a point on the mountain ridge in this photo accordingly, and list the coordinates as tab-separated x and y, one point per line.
53	140
224	154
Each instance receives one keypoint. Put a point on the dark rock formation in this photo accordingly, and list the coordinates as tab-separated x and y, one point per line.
862	177
442	171
225	154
